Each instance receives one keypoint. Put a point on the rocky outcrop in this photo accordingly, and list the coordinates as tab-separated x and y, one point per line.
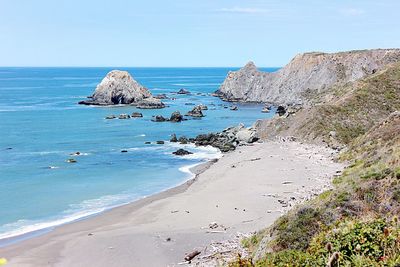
305	75
150	103
176	117
196	112
118	87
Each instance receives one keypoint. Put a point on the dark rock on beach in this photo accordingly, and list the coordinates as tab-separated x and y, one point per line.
182	152
281	110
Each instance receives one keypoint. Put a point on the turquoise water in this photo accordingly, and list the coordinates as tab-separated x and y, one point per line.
41	124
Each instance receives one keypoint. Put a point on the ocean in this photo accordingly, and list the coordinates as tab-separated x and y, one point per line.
41	125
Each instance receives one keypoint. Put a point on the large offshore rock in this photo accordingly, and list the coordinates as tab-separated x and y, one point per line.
118	87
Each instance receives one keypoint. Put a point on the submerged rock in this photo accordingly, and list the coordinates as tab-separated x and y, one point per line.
110	117
234	108
72	161
160	142
118	87
182	152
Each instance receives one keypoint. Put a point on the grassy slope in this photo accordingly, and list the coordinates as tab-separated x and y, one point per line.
366	196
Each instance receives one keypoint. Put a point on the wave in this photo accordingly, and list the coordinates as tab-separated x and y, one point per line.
76	212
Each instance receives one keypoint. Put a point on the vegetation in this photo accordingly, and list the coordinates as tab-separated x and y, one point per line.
356	223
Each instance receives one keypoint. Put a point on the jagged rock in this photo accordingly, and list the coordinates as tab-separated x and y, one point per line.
203	107
136	115
173	138
281	110
183	140
195	112
150	103
159	118
110	117
123	116
305	75
183	92
118	87
176	117
161	96
182	152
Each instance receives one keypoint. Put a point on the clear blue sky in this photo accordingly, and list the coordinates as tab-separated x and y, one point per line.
189	33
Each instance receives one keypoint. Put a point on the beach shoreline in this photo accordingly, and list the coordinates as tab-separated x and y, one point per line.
183	213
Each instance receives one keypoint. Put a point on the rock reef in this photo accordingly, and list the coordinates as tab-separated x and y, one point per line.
306	74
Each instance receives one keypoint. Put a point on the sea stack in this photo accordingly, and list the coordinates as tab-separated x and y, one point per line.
118	87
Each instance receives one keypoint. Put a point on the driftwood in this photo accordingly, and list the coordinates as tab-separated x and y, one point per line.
189	257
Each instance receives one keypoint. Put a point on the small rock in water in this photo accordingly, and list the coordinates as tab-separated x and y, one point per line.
176	117
182	152
124	151
234	108
76	153
147	142
123	116
160	142
136	115
110	117
183	140
71	161
183	92
159	118
195	112
173	138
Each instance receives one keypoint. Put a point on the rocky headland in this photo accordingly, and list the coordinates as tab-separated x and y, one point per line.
118	87
306	75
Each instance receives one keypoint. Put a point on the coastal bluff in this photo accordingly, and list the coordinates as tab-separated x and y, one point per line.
118	87
306	74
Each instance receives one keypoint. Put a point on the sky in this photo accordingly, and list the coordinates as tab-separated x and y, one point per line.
188	33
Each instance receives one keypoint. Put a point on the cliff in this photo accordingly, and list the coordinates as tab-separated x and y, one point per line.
305	75
118	87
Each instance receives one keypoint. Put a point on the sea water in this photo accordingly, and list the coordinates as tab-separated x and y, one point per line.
41	124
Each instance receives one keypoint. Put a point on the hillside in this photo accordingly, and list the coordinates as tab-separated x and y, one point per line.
305	74
356	223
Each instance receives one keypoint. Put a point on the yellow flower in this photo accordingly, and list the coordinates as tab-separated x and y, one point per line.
3	261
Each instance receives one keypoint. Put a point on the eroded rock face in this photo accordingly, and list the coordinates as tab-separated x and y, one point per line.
118	87
306	74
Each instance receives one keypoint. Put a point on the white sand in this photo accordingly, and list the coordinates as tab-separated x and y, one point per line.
240	191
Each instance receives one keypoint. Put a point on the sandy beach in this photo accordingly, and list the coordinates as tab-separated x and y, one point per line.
244	191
